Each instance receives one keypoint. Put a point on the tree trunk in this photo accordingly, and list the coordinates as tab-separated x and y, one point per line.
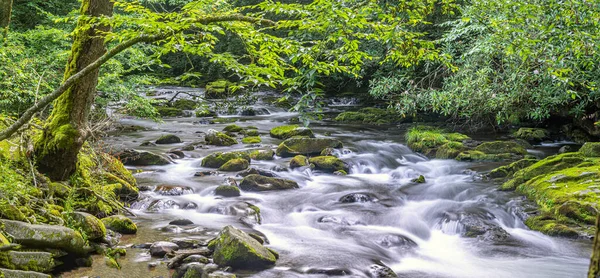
5	12
594	271
67	127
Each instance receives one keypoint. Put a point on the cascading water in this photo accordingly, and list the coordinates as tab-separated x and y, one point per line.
455	224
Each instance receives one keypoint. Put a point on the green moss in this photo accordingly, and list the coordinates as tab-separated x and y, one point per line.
169	111
547	165
227	191
27	261
219	139
369	115
252	132
298	161
233	128
328	163
168	139
205	113
262	154
449	150
501	147
507	171
234	165
218	89
288	131
217	160
185	104
420	179
306	146
120	224
429	141
590	149
251	140
531	134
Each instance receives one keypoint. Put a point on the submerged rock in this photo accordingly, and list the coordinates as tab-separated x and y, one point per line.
235	248
306	146
120	224
161	248
357	198
289	131
173	190
45	236
227	191
168	139
258	171
216	138
261	183
141	158
381	271
181	222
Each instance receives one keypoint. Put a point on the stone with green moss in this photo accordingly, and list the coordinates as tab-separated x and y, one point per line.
218	89
306	146
430	140
236	249
251	140
204	112
420	179
28	261
507	171
217	160
216	138
227	191
45	236
298	161
169	111
120	224
256	182
289	131
92	228
168	139
11	273
547	165
185	104
140	158
501	147
449	150
252	132
369	115
233	128
262	154
235	165
328	164
531	134
590	149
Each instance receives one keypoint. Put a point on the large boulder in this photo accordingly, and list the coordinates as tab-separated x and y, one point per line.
45	236
120	224
235	165
217	160
306	146
289	131
590	149
91	226
161	248
28	261
298	161
261	183
216	138
328	164
262	154
168	139
22	274
239	250
501	147
227	191
531	134
140	158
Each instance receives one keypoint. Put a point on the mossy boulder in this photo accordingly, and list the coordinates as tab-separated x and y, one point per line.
227	191
262	154
185	104
590	149
289	131
298	161
28	261
91	226
256	182
449	150
420	179
217	160
45	236
169	111
218	89
236	249
531	134
547	165
6	273
252	132
204	112
233	128
168	139
140	158
216	138
328	164
251	140
501	147
507	171
120	224
369	115
235	165
429	141
306	146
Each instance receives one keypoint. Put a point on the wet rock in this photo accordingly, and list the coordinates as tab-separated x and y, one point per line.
235	165
233	128
306	146
289	131
298	161
168	139
45	236
328	152
217	160
120	224
237	249
181	222
189	205
381	271
112	238
221	274
247	213
258	171
254	112
190	270
501	147
581	212
178	154
590	149
357	198
329	271
328	164
420	179
205	113
227	191
140	158
161	248
159	205
91	226
22	274
338	220
251	140
507	171
534	135
196	259
262	154
206	173
147	144
396	241
185	243
483	227
173	190
567	149
216	138
174	229
261	183
142	245
29	261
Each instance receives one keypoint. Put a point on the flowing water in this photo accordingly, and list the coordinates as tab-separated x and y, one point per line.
418	230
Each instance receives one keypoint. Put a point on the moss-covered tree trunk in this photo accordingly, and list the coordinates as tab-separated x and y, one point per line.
594	271
67	127
5	12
